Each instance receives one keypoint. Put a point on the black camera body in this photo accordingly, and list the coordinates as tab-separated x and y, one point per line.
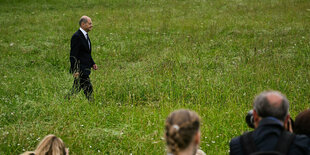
249	119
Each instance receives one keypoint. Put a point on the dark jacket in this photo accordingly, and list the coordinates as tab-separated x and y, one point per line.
80	54
266	137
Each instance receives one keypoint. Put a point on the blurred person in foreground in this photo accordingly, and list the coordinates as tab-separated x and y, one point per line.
271	116
302	123
182	133
50	145
81	59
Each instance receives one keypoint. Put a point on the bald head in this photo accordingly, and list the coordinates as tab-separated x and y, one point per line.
271	104
83	19
86	23
275	99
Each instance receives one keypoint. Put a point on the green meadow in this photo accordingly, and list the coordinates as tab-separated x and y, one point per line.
154	56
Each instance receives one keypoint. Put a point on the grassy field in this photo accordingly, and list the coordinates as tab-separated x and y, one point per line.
211	56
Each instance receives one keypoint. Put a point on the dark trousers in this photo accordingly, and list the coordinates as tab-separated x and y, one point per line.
82	82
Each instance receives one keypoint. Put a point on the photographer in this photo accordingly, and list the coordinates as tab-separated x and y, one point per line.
270	117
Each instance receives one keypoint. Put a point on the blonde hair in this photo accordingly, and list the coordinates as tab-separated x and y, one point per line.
181	127
51	145
28	153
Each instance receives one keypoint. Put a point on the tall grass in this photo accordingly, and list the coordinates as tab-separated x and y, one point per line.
154	57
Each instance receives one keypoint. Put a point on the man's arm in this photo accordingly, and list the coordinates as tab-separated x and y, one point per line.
74	54
93	64
92	61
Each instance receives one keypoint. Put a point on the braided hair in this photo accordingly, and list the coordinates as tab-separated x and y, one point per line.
181	127
51	145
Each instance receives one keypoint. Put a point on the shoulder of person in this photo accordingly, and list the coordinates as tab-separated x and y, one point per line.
235	147
200	152
302	140
28	153
235	141
77	33
300	145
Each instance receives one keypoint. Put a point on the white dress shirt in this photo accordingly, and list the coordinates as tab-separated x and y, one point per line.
85	35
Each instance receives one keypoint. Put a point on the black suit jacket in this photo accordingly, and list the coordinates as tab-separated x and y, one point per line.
80	54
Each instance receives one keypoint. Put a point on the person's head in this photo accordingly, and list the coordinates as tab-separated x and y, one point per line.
302	123
270	104
51	145
86	23
182	131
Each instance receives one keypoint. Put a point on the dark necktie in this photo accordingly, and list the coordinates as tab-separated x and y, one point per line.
88	41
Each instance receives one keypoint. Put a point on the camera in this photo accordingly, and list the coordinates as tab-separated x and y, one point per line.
249	119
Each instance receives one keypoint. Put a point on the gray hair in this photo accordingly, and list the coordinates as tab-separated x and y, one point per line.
266	109
84	19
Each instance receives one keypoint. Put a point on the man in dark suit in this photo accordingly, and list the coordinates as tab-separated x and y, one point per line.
81	59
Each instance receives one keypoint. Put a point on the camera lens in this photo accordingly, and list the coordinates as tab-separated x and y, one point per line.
250	119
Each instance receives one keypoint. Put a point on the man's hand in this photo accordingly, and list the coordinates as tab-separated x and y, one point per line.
95	67
288	125
76	74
